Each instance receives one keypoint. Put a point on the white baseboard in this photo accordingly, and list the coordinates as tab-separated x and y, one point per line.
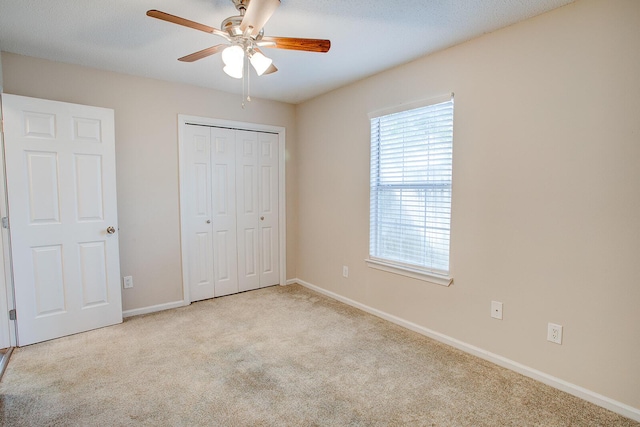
581	392
154	308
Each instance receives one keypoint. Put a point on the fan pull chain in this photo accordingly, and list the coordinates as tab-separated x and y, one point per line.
248	82
246	72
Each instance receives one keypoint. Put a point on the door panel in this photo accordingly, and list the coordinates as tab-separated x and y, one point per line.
267	251
42	176
48	280
224	218
88	180
267	194
222	257
87	130
62	197
198	211
269	222
38	125
247	180
93	274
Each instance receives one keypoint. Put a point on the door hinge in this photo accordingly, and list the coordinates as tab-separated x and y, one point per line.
12	314
5	222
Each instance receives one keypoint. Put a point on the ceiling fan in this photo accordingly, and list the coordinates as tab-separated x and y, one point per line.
245	36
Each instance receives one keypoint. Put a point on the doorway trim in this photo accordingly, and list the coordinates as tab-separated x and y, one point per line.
183	121
8	327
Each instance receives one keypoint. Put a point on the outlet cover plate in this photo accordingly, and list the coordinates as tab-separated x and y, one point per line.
554	333
496	310
128	282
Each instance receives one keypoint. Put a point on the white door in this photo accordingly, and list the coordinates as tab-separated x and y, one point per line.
247	177
210	211
269	220
198	200
223	199
232	210
61	188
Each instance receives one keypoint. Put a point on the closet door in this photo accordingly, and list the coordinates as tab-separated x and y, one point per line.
247	174
257	209
232	210
211	212
268	193
225	259
198	211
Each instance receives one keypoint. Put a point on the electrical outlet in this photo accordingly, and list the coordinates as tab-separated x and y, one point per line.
128	282
554	333
345	271
496	310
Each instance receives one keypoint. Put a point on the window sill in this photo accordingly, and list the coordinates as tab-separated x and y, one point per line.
409	272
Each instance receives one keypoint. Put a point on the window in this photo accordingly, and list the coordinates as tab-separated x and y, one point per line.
410	211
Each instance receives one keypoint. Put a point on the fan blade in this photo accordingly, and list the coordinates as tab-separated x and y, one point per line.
180	21
202	53
309	45
186	23
257	14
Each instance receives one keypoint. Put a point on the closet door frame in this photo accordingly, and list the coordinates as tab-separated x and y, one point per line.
183	121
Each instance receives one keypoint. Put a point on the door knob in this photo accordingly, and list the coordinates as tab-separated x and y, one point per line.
111	230
208	221
261	218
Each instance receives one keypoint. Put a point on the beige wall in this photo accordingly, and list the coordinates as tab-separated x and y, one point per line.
546	201
546	197
146	116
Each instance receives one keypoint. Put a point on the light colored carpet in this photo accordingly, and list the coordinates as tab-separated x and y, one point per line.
281	356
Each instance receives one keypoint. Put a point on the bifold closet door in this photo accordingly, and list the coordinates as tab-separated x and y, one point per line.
210	212
232	210
223	184
268	185
198	212
257	209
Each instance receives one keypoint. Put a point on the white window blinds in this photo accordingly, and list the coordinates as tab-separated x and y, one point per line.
411	165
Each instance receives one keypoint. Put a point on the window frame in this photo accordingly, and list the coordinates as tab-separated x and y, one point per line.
424	273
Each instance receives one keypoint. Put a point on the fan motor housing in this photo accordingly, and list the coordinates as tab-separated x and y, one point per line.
232	25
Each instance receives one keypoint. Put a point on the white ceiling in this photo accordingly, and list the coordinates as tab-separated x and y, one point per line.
367	36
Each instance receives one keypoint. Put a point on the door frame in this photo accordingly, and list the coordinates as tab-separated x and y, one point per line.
183	121
8	336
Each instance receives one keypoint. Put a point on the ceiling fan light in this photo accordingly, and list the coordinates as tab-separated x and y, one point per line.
233	71
233	56
260	62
